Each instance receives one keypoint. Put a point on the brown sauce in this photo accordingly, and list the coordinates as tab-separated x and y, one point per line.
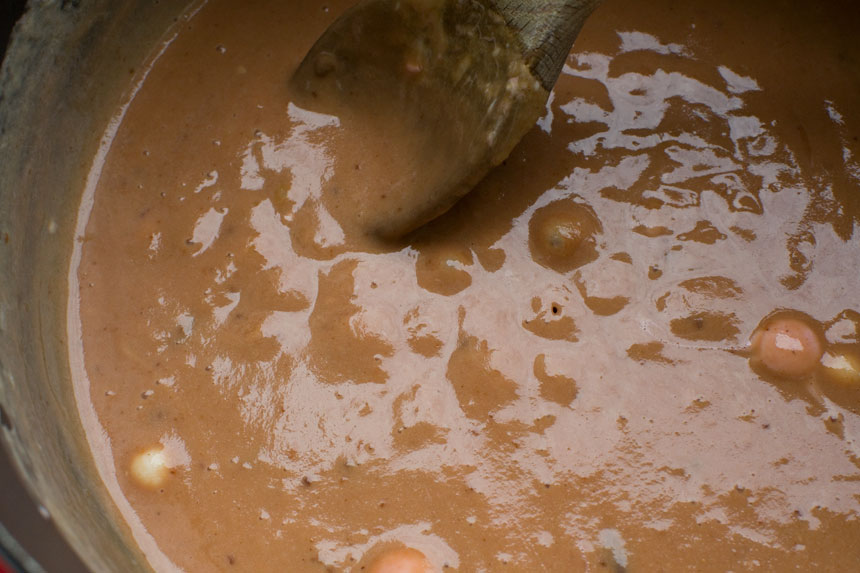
634	347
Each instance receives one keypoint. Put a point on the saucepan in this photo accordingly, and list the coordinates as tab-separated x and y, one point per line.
66	70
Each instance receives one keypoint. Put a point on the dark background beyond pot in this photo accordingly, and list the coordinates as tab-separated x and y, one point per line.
10	11
30	543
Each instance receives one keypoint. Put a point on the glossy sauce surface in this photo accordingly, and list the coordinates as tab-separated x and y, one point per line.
635	346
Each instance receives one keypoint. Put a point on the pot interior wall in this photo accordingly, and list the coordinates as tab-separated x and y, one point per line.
66	70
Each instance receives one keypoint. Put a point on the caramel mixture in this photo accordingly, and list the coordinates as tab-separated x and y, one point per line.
634	347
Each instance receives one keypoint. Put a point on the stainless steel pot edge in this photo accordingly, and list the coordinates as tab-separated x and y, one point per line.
15	556
66	69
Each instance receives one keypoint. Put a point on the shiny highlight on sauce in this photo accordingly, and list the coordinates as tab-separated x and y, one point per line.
634	346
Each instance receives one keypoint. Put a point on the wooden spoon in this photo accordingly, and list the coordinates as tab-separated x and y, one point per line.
447	87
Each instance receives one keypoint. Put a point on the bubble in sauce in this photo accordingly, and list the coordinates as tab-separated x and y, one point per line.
787	345
401	560
149	468
561	235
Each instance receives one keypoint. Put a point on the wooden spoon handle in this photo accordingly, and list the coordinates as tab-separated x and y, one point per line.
547	29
